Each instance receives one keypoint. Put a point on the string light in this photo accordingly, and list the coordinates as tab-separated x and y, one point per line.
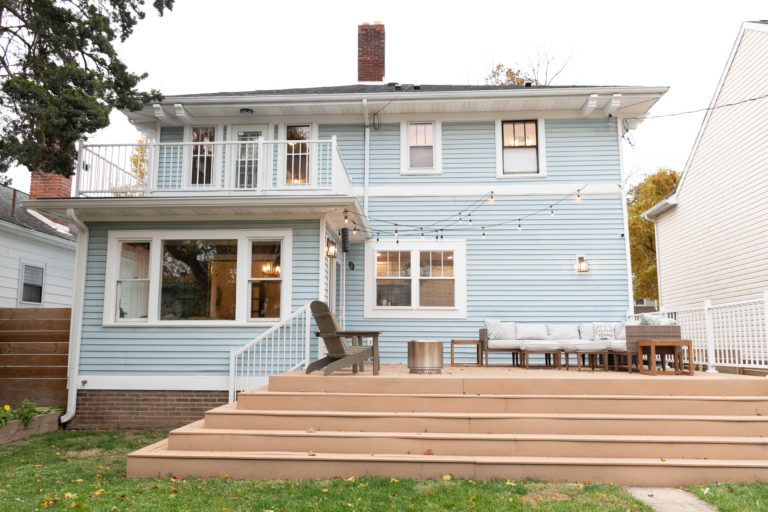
578	195
460	221
436	235
377	236
490	200
483	233
470	219
346	217
354	229
551	212
441	233
519	225
422	233
396	231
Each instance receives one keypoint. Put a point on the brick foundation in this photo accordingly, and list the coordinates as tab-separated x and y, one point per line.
115	409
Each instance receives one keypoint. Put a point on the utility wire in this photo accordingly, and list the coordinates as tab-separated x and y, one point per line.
748	100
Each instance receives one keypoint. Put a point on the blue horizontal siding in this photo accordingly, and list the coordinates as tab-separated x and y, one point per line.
198	351
351	141
523	276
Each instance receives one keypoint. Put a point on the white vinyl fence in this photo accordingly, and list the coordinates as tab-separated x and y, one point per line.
734	334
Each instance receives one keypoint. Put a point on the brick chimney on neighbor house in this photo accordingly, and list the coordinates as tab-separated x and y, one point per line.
370	52
50	185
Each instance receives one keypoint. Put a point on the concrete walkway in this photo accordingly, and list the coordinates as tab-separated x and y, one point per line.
669	499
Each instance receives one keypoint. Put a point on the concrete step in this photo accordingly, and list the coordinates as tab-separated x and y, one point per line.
195	437
599	404
157	460
230	417
518	382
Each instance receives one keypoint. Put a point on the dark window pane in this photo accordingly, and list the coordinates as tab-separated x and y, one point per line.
265	299
32	288
393	292
265	259
199	280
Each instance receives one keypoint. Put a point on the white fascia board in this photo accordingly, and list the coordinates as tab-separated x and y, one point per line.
36	236
712	103
662	206
505	189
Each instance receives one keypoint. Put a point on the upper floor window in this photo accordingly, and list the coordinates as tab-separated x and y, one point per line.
520	149
297	153
202	154
420	147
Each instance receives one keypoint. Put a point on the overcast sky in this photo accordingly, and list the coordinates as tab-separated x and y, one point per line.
234	45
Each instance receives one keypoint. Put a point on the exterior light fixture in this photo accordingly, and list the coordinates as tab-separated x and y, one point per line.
330	248
246	111
582	265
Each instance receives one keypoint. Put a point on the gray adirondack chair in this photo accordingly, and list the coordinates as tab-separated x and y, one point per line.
340	354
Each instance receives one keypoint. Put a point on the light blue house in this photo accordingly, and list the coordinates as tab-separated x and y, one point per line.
460	203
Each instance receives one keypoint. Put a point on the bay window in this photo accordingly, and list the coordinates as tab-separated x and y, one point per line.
199	277
415	279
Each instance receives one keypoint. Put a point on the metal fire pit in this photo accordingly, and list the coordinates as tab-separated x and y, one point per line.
425	356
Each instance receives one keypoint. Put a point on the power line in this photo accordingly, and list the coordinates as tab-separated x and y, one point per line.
748	100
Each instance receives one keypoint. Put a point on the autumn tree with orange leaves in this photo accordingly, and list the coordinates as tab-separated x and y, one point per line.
642	239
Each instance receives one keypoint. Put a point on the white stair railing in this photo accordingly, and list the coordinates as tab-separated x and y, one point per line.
281	348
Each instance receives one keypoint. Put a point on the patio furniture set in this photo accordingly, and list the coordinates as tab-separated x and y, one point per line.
618	343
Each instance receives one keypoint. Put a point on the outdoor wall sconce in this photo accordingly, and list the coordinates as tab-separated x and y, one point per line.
330	248
582	265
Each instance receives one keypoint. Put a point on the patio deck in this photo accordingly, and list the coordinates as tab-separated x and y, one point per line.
480	423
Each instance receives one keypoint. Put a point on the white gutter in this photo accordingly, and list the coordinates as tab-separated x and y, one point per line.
625	218
662	206
366	159
76	320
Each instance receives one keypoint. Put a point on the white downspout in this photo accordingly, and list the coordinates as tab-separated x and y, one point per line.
76	320
367	156
623	184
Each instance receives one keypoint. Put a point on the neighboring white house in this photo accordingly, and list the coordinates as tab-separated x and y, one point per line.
37	256
712	232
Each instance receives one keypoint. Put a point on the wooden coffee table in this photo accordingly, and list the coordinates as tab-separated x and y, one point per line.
468	342
664	347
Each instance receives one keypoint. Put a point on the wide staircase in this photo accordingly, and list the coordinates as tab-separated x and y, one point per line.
550	425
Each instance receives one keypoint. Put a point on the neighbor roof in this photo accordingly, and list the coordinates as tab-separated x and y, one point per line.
19	216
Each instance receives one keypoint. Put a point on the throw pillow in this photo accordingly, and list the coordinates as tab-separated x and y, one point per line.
563	332
494	328
587	332
620	331
532	332
508	331
604	332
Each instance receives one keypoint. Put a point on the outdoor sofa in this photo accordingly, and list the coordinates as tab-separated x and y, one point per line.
553	340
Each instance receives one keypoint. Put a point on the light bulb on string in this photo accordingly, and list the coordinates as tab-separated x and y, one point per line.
354	229
422	233
483	233
441	233
578	195
396	233
551	212
470	219
437	237
460	221
490	199
519	225
377	236
346	217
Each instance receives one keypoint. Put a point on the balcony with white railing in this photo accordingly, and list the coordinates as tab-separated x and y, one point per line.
283	167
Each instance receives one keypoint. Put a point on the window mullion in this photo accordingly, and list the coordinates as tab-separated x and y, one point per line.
415	276
155	268
243	279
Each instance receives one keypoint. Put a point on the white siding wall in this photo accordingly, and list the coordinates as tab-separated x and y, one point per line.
714	243
58	260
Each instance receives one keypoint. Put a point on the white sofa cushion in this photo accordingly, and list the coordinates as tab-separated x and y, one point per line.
563	331
541	345
618	345
532	331
604	331
586	345
505	344
494	328
620	331
587	331
508	331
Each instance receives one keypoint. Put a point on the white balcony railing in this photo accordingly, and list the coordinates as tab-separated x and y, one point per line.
733	334
259	166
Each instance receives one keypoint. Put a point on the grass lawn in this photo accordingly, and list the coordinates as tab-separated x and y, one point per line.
86	470
734	497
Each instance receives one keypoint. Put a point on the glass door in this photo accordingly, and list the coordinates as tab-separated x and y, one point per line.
247	155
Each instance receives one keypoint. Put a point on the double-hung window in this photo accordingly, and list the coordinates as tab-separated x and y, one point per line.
415	279
520	148
197	277
421	147
31	289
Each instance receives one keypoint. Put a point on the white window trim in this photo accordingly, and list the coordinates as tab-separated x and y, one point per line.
314	134
264	171
437	148
540	148
243	237
31	263
459	310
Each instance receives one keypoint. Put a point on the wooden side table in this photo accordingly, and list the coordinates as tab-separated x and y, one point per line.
468	342
664	347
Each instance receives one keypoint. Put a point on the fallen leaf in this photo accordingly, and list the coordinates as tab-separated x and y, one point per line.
446	477
311	454
224	476
393	480
428	452
325	490
351	479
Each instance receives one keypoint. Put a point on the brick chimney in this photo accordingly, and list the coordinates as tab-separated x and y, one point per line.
50	185
370	52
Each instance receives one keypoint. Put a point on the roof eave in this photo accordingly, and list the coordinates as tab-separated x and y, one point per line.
659	208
